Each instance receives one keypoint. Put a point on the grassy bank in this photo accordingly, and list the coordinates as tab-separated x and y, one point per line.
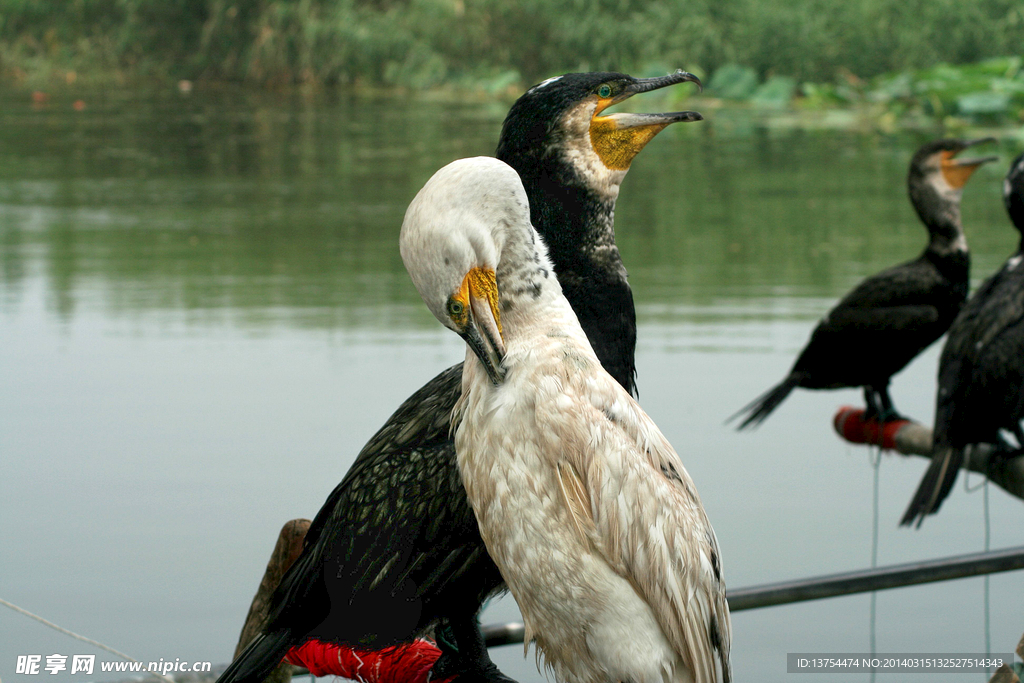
491	43
986	94
892	63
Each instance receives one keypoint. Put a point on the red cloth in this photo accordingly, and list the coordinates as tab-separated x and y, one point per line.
408	663
851	425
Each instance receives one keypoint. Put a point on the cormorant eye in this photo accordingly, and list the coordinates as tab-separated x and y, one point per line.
605	91
456	308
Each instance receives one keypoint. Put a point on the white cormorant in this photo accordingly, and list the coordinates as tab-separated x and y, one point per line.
594	523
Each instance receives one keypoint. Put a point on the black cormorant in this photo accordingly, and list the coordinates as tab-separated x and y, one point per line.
981	371
396	549
889	318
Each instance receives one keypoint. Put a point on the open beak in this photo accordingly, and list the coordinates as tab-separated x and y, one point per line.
642	85
483	330
958	171
619	137
648	84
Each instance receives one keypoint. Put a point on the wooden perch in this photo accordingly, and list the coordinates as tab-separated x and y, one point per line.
911	438
289	545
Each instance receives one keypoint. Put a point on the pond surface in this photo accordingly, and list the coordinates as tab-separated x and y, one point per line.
204	315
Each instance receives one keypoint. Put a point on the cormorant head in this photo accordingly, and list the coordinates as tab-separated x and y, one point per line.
936	181
565	117
451	241
1013	194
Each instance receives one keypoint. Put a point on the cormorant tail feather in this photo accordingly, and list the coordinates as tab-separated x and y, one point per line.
935	485
258	659
761	407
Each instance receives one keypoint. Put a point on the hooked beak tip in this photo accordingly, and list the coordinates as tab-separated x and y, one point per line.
488	350
692	79
648	84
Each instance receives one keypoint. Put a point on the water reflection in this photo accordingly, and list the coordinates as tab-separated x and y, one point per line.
205	316
243	203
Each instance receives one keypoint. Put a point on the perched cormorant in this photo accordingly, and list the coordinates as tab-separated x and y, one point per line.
395	549
594	523
889	318
981	371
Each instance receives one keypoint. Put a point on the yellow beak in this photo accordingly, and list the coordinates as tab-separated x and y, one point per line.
482	331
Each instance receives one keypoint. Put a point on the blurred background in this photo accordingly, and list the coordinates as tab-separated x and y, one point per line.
204	315
492	43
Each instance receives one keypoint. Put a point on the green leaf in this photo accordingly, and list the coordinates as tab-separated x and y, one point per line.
733	82
775	93
983	103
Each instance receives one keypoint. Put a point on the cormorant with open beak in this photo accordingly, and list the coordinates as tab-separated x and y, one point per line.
981	371
889	318
396	551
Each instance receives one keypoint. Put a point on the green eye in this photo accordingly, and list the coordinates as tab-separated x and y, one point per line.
605	91
455	308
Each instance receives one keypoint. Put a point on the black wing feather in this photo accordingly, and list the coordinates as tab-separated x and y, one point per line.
981	383
382	553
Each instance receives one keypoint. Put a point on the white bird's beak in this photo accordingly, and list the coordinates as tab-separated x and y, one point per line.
483	331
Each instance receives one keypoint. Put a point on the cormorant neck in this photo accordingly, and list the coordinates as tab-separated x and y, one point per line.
571	210
526	279
576	222
1017	217
939	210
947	242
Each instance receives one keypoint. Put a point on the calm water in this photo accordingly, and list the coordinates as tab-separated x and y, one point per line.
203	316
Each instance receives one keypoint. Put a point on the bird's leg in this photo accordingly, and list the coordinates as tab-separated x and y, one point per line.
888	412
467	657
447	665
871	399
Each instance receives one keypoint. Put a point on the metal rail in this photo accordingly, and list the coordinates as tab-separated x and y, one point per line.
847	583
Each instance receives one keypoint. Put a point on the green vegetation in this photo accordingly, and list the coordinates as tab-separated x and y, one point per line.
425	43
901	62
987	93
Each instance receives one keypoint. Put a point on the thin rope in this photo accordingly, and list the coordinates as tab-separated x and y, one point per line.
875	455
968	454
988	543
77	636
876	463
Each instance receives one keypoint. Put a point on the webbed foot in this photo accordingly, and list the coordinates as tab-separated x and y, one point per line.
880	407
451	666
464	655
